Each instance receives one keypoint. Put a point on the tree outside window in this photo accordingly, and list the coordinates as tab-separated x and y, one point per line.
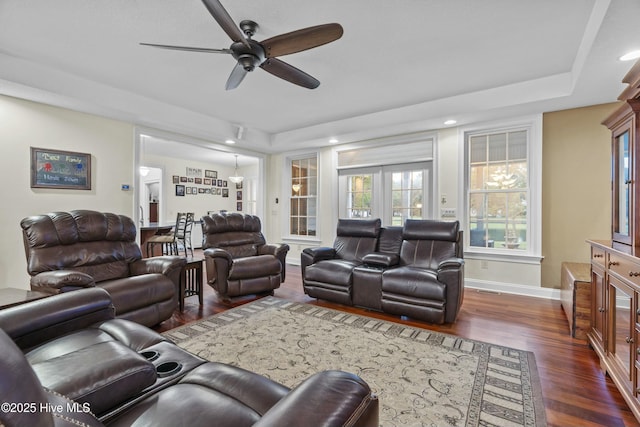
303	197
359	196
498	190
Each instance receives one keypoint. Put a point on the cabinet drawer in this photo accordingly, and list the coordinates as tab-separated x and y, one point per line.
597	256
624	268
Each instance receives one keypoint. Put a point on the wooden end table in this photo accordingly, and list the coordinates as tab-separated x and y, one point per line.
191	280
10	297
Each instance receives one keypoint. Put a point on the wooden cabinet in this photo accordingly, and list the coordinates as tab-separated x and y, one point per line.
615	264
615	321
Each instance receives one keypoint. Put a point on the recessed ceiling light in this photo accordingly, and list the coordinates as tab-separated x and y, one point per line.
230	141
333	141
631	55
450	122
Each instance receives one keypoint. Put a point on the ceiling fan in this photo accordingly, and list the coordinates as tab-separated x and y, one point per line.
250	53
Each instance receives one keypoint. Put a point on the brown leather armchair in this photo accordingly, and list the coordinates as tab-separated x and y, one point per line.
238	259
67	251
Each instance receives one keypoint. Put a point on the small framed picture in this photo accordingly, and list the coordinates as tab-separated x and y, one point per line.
239	195
239	206
194	190
176	179
180	190
207	181
224	183
197	180
183	179
219	183
210	174
225	192
189	190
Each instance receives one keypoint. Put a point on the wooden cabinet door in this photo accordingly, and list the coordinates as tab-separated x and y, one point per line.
621	339
598	308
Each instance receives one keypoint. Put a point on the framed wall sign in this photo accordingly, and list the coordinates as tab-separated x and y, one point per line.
60	169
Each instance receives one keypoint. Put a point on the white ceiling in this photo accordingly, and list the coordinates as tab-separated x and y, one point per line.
401	66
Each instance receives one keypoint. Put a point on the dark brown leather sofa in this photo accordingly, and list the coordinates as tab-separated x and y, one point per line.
66	361
238	259
68	251
416	270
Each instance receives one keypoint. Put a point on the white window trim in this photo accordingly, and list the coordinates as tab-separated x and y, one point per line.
286	199
534	154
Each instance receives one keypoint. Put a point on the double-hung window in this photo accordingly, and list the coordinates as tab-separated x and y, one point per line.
303	196
501	197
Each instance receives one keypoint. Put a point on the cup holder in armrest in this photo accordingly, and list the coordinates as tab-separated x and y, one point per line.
150	355
167	369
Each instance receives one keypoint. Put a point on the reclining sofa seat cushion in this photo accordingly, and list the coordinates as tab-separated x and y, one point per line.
415	287
82	248
354	240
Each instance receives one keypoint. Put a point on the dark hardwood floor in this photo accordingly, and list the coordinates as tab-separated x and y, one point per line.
575	391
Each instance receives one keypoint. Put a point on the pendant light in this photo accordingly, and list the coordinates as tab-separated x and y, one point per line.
235	178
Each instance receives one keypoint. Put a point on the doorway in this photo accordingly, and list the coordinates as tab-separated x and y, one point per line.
150	196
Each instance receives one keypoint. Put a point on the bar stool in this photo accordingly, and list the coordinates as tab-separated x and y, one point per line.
180	234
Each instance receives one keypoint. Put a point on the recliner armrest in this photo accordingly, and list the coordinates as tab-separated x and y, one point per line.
327	398
381	259
320	253
218	253
38	321
275	249
451	263
54	282
165	265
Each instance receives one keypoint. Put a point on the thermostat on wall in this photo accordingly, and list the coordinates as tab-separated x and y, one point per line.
125	187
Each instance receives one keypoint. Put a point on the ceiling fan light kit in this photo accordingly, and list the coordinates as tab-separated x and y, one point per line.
250	54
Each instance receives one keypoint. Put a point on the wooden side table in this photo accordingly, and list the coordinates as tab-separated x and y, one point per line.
575	297
13	296
191	280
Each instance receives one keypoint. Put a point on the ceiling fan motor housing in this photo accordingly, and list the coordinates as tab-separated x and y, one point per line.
248	56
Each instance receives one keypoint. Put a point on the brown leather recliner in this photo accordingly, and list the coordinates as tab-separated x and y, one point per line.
428	282
327	272
238	259
67	251
66	361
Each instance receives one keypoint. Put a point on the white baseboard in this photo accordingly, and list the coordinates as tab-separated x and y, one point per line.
512	288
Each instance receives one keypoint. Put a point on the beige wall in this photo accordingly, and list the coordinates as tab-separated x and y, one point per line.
24	124
576	186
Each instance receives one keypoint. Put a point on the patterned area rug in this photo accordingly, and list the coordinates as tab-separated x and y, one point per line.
422	378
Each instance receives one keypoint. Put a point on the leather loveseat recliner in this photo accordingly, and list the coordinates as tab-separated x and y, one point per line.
238	259
68	251
66	361
416	270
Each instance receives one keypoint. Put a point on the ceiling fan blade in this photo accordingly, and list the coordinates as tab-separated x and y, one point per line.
236	77
289	73
300	40
187	48
225	21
